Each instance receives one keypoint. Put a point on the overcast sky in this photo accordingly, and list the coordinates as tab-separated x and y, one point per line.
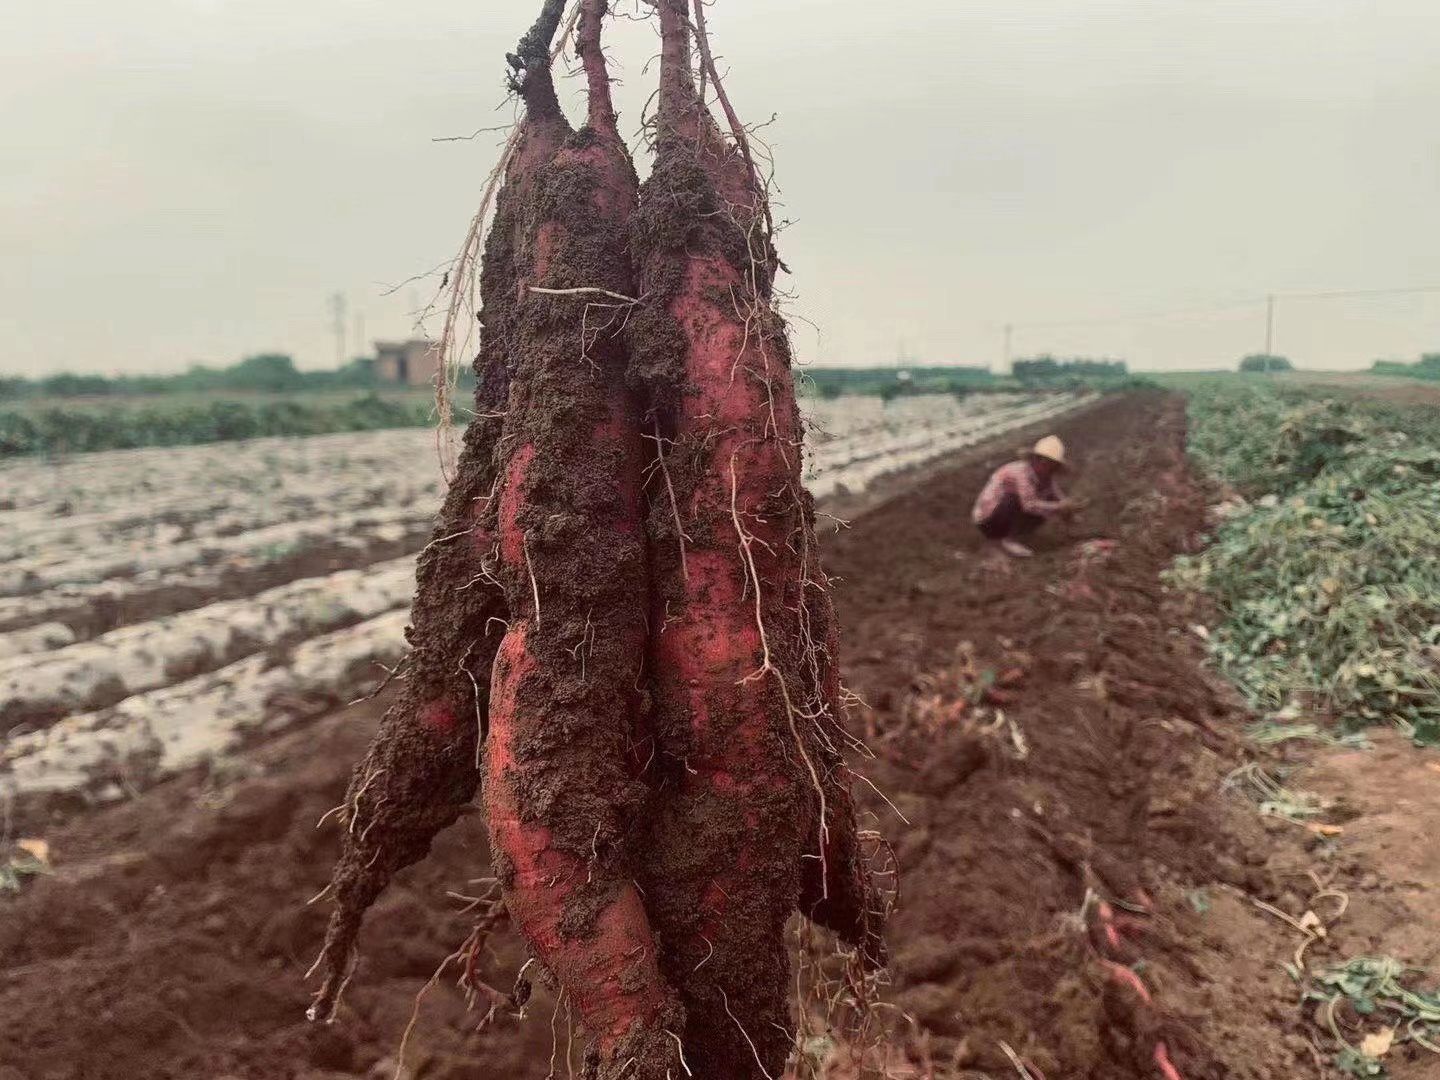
191	180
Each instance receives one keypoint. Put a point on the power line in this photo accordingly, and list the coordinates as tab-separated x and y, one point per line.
1358	292
1153	316
337	310
1270	302
1215	309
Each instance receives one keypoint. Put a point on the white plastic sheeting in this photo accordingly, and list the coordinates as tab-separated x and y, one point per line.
876	439
101	755
105	561
152	655
135	528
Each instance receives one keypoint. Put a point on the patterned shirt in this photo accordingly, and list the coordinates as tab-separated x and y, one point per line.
1041	498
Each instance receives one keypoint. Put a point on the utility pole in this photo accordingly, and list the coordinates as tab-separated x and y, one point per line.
359	333
1269	329
1009	340
337	308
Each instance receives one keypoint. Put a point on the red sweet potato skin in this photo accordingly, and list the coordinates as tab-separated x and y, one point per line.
734	810
422	770
663	778
746	693
563	795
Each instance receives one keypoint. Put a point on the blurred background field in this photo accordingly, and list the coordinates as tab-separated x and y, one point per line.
267	396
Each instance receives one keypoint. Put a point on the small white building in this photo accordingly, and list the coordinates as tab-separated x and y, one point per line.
407	363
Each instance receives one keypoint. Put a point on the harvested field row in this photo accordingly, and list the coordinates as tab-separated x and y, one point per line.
1045	728
143	498
117	752
126	654
1043	732
40	689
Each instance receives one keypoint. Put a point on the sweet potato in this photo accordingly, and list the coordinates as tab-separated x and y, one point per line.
422	769
562	791
752	785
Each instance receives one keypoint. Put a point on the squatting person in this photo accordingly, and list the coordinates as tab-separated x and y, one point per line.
1022	496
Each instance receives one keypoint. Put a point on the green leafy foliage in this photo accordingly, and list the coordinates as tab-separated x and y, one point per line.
269	373
1325	580
1427	367
1384	993
1258	440
60	429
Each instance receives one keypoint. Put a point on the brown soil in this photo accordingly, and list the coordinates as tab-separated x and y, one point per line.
1103	778
172	938
1386	861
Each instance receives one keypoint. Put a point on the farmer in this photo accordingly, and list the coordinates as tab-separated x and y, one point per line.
1022	496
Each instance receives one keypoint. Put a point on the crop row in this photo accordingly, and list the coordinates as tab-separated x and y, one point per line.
125	661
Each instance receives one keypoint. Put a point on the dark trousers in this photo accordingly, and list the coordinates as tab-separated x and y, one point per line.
1009	522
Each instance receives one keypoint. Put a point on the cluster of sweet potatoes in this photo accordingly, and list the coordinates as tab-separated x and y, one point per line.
621	630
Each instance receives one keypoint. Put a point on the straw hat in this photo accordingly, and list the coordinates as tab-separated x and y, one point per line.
1051	449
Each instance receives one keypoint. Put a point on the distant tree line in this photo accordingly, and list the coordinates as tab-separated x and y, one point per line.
1427	367
1044	370
260	396
271	373
71	428
1040	372
1265	363
888	383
